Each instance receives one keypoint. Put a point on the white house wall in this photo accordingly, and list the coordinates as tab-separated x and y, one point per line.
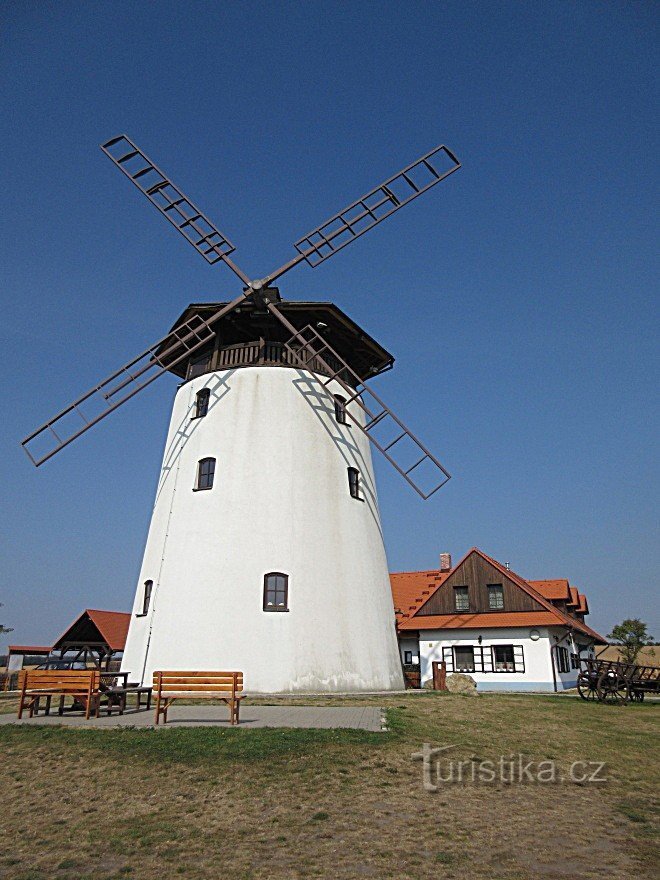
538	666
280	503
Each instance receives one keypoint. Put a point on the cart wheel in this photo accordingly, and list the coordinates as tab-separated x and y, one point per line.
611	688
586	686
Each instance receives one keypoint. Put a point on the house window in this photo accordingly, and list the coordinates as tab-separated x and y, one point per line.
575	661
461	599
202	403
340	409
354	482
464	658
503	659
205	473
495	597
407	657
146	598
562	659
276	591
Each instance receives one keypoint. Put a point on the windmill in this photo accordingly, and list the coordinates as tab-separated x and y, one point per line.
281	531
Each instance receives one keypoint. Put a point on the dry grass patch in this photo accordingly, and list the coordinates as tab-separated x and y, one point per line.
208	803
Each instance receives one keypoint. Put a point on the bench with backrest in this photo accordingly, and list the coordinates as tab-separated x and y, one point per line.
82	685
174	684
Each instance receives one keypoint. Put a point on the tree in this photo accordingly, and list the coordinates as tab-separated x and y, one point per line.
631	636
5	629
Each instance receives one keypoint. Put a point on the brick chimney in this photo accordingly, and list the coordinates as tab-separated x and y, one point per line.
445	562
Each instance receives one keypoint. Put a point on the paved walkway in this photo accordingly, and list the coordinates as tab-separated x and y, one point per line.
355	717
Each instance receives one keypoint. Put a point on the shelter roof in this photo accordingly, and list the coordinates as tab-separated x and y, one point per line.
109	627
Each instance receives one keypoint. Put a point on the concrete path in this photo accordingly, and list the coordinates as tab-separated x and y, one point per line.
355	717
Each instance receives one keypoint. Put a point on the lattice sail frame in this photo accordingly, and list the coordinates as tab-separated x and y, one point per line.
316	247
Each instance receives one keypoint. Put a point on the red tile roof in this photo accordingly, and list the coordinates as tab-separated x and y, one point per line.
113	626
479	620
557	589
410	589
29	649
575	598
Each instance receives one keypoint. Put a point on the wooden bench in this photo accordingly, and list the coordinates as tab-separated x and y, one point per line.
174	684
82	685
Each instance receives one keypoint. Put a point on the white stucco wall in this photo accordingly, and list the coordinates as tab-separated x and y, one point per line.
538	667
409	644
280	502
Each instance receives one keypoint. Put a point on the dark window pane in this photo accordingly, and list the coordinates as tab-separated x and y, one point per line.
464	658
205	473
495	597
354	482
340	409
276	591
202	403
146	596
503	657
461	599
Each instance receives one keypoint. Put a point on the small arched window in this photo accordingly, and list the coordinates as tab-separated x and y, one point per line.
205	473
276	591
340	409
146	597
354	482
202	403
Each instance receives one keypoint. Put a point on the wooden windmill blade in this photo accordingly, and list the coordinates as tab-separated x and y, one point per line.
120	386
371	209
305	346
177	208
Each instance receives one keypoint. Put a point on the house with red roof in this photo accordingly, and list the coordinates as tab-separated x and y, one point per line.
483	619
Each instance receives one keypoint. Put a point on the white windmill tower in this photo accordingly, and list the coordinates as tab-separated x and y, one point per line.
265	550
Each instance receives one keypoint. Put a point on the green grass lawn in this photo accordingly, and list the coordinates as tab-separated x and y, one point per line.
238	803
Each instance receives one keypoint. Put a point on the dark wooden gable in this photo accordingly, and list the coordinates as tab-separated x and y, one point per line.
476	573
83	631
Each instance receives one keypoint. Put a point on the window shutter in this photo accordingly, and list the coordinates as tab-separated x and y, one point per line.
518	658
448	657
488	659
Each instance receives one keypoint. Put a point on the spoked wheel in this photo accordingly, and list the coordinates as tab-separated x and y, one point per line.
611	688
586	686
636	696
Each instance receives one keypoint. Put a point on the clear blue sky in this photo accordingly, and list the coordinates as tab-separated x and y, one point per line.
519	297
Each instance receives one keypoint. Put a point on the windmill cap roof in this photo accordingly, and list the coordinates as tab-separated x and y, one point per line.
248	322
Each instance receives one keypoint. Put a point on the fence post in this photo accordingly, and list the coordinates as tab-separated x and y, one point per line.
439	676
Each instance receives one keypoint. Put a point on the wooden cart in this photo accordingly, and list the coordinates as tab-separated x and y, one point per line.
611	681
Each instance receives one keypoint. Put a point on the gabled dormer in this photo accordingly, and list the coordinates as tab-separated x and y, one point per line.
478	585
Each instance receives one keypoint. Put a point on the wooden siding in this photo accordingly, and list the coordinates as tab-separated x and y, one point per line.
476	573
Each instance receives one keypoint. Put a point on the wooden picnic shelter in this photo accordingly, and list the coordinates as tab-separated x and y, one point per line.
96	636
